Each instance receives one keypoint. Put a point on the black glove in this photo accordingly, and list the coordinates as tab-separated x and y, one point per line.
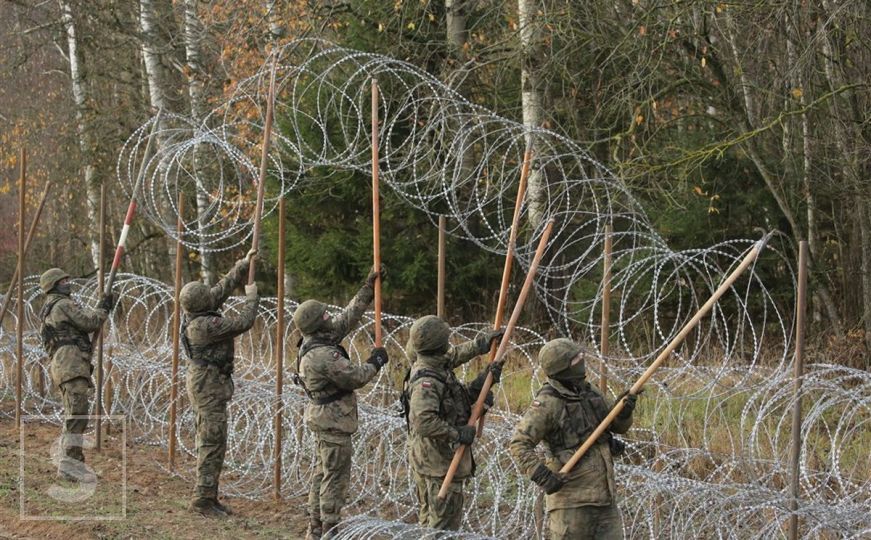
378	358
107	302
373	275
486	339
466	434
629	406
548	480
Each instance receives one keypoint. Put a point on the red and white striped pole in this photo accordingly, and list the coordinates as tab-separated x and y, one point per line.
131	208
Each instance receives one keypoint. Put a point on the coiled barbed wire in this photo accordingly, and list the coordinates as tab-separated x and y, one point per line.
705	459
708	455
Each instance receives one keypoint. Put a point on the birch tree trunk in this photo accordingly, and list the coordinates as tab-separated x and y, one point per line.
276	29
193	36
531	56
83	126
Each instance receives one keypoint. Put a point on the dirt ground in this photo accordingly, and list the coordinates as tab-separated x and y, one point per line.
156	502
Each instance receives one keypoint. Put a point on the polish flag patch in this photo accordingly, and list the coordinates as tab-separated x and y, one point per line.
426	384
536	403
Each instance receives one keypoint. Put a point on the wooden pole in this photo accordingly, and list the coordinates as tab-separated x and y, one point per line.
279	353
376	213
14	282
98	428
478	408
264	159
19	341
795	453
749	259
440	288
176	330
509	254
604	334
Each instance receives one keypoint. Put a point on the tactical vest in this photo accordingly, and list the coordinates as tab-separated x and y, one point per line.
405	396
219	354
305	348
580	416
55	337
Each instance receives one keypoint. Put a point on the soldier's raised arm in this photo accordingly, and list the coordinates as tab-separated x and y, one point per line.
461	354
85	319
231	326
350	316
349	376
235	277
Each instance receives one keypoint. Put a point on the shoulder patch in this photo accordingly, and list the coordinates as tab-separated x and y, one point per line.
336	354
426	384
536	403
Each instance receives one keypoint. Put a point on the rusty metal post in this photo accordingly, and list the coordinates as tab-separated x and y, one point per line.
98	428
279	353
19	341
795	451
176	325
604	334
440	287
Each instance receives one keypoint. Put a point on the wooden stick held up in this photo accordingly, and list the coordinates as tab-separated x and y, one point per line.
749	259
264	159
478	408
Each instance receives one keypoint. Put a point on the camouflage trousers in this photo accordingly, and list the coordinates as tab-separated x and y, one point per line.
76	396
329	490
435	514
586	523
209	392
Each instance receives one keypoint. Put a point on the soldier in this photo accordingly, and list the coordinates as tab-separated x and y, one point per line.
207	337
438	409
65	329
329	379
583	503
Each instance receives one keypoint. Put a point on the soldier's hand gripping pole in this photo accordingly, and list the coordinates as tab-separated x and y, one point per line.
264	159
478	408
509	255
376	214
748	260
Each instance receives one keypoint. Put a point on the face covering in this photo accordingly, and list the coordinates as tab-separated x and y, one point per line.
573	376
63	288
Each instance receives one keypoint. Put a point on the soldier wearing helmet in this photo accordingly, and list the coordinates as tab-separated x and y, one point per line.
207	336
566	410
438	408
329	379
65	333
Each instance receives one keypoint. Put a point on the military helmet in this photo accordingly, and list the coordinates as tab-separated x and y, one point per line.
195	297
50	277
557	355
430	334
309	316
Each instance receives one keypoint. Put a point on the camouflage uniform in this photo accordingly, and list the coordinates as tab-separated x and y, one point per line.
208	338
329	379
67	327
583	504
438	407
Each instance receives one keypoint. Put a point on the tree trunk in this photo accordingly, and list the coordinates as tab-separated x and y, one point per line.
193	36
276	29
531	95
83	126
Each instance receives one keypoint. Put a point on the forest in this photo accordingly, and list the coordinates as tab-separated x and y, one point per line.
721	118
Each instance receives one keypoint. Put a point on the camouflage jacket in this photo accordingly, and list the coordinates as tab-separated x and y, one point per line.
563	419
438	403
209	335
329	375
71	325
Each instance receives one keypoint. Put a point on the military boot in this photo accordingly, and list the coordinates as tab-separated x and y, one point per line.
315	529
222	508
206	506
